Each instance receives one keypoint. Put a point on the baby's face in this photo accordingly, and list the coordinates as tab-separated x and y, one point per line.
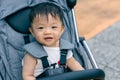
47	31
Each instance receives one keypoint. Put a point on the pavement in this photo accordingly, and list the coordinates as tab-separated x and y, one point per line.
98	21
105	47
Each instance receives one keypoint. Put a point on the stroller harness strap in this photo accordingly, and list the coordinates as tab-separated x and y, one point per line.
36	50
54	70
45	62
26	39
63	57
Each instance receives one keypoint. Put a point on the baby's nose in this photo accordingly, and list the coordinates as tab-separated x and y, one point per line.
47	31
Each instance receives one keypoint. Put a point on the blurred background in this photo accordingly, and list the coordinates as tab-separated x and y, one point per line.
99	22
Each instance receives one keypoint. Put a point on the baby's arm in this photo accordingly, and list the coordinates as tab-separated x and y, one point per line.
74	64
28	67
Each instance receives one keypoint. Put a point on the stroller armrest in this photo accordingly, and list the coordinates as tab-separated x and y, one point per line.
96	74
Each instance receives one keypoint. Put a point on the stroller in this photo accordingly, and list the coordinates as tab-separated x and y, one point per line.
14	34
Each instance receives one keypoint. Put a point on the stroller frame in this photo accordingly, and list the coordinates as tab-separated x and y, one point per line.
83	42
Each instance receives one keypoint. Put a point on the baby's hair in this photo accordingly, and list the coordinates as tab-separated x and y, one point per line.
45	9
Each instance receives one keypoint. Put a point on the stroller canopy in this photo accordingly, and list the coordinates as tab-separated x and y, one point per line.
8	7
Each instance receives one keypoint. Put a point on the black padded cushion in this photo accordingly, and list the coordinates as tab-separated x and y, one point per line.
20	21
95	74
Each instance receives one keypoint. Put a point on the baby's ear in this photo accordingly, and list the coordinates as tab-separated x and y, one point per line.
31	30
63	28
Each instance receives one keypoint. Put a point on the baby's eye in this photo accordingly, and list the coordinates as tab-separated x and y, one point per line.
40	27
54	27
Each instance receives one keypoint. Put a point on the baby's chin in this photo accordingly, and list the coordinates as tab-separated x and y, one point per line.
52	45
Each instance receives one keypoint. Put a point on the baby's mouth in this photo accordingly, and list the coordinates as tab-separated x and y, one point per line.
48	38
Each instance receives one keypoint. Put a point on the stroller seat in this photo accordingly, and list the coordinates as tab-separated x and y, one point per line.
14	35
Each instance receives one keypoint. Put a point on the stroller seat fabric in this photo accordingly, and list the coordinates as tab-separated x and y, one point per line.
12	37
14	34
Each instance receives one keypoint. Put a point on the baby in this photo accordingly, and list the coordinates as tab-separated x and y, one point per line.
47	27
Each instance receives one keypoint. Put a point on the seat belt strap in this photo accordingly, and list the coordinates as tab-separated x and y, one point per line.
26	39
63	57
45	62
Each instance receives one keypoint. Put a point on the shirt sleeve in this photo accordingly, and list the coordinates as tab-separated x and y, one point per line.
70	54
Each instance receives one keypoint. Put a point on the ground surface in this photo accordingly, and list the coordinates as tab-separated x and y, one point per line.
99	22
106	51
